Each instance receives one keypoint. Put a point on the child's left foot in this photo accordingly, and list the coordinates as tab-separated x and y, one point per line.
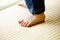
31	20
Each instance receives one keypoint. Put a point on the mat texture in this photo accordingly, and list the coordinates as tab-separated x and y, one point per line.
48	30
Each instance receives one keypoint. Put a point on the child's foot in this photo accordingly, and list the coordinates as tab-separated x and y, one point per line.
22	4
32	20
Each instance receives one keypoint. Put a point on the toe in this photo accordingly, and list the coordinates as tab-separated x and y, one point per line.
27	24
23	24
20	21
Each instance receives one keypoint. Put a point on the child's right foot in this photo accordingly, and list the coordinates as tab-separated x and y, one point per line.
22	4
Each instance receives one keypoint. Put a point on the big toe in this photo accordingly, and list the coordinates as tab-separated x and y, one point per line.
20	21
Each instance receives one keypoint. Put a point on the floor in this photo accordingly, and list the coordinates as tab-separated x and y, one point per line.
7	3
48	30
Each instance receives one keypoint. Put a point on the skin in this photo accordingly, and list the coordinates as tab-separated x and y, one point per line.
39	18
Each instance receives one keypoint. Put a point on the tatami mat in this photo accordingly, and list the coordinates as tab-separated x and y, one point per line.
48	30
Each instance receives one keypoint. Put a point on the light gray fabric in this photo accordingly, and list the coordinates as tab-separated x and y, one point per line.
7	3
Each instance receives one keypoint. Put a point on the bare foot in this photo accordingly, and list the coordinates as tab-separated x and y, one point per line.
22	4
32	20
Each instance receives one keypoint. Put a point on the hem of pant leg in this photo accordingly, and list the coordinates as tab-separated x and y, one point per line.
39	12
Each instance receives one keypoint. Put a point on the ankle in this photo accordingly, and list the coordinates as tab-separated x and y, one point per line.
40	15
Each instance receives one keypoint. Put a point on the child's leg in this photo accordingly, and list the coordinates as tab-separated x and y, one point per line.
37	8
